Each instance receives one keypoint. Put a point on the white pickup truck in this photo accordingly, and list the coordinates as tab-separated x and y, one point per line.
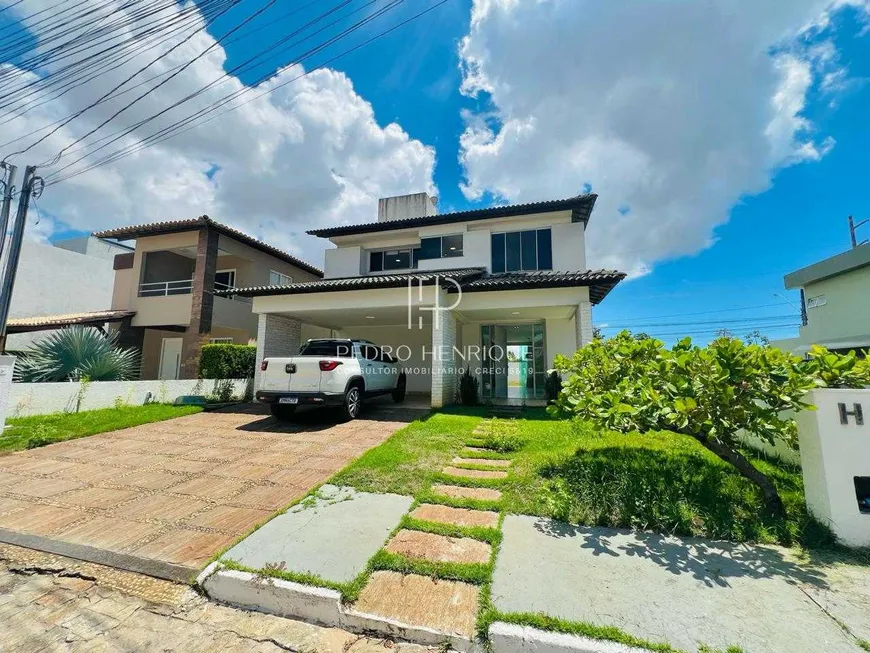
330	372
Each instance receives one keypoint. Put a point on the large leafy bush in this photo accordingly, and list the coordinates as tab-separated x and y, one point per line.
708	393
227	361
75	353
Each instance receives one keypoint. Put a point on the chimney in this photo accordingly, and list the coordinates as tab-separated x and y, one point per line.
418	205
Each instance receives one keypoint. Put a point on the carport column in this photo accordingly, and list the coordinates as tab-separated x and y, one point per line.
583	323
276	336
443	358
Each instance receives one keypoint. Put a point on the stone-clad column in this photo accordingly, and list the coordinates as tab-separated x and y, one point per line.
276	336
443	358
583	323
202	302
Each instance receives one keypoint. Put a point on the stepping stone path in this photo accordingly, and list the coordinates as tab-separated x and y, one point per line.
444	605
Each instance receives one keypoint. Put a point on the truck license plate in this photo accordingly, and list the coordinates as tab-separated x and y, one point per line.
288	400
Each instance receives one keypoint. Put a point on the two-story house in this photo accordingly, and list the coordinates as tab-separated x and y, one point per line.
167	286
499	291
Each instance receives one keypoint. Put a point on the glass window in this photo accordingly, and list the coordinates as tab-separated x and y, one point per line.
370	352
529	250
451	246
330	348
225	279
415	256
376	262
430	248
545	250
397	259
277	278
497	253
513	243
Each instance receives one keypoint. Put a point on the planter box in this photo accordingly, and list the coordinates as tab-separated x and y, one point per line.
835	457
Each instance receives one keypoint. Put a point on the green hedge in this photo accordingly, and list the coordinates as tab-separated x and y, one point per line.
227	361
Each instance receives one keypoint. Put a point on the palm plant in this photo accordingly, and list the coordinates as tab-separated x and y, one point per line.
75	353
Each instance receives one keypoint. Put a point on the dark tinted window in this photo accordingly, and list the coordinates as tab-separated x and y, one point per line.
497	253
370	352
415	256
328	348
529	251
513	242
430	248
397	259
376	262
545	250
451	246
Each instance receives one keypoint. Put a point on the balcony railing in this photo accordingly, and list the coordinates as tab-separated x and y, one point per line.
166	288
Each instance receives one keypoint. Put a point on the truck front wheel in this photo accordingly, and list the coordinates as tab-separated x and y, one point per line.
352	402
282	413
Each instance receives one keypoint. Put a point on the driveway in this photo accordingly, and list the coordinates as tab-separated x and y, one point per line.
163	498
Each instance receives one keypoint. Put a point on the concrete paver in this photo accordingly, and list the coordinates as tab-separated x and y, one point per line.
178	491
684	592
50	603
489	462
459	492
448	606
473	473
455	516
332	537
439	548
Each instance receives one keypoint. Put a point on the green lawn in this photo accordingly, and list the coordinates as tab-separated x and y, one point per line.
40	430
656	481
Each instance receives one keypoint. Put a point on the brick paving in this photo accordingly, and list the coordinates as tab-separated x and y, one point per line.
51	603
179	491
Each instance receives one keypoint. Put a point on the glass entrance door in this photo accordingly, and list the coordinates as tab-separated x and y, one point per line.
514	367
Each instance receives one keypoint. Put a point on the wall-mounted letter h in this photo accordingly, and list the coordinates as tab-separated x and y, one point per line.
856	412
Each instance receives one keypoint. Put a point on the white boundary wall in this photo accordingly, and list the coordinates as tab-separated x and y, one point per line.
27	399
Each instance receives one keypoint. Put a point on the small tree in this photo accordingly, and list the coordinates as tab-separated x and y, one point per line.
707	393
76	353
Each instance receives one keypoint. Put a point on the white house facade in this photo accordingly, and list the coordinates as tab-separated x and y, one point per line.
498	291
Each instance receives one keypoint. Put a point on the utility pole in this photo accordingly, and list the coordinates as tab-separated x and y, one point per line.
8	193
853	228
31	186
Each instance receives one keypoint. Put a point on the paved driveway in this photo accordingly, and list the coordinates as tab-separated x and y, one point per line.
163	498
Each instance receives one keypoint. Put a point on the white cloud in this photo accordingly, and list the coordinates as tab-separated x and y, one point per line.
671	110
309	154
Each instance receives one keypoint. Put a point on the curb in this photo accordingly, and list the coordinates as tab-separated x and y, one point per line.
313	604
511	638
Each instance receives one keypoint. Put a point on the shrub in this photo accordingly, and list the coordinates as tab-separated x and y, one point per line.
552	386
707	393
227	361
468	389
222	392
78	353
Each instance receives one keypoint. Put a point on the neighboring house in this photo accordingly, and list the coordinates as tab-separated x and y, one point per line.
525	293
167	284
58	282
835	303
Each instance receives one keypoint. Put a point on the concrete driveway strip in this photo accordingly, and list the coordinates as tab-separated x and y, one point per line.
684	592
333	536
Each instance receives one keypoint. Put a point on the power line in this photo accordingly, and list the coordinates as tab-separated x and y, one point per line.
721	310
757	318
167	132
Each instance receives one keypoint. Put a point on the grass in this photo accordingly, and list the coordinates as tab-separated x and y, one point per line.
40	430
573	472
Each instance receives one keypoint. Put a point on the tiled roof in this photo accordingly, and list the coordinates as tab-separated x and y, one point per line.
356	283
600	282
175	226
580	206
41	322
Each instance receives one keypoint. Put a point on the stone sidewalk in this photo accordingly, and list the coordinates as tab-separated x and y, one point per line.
49	603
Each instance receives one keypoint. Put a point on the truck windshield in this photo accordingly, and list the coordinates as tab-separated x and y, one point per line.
330	348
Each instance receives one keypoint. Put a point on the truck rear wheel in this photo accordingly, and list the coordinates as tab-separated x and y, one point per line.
282	413
352	402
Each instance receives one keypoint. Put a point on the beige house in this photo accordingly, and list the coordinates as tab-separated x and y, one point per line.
498	291
166	287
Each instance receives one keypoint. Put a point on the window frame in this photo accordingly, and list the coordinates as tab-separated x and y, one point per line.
505	236
230	271
442	253
280	276
412	250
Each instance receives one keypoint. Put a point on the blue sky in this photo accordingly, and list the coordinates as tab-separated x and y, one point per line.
412	77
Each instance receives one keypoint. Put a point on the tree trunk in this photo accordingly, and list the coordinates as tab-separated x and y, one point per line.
771	497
